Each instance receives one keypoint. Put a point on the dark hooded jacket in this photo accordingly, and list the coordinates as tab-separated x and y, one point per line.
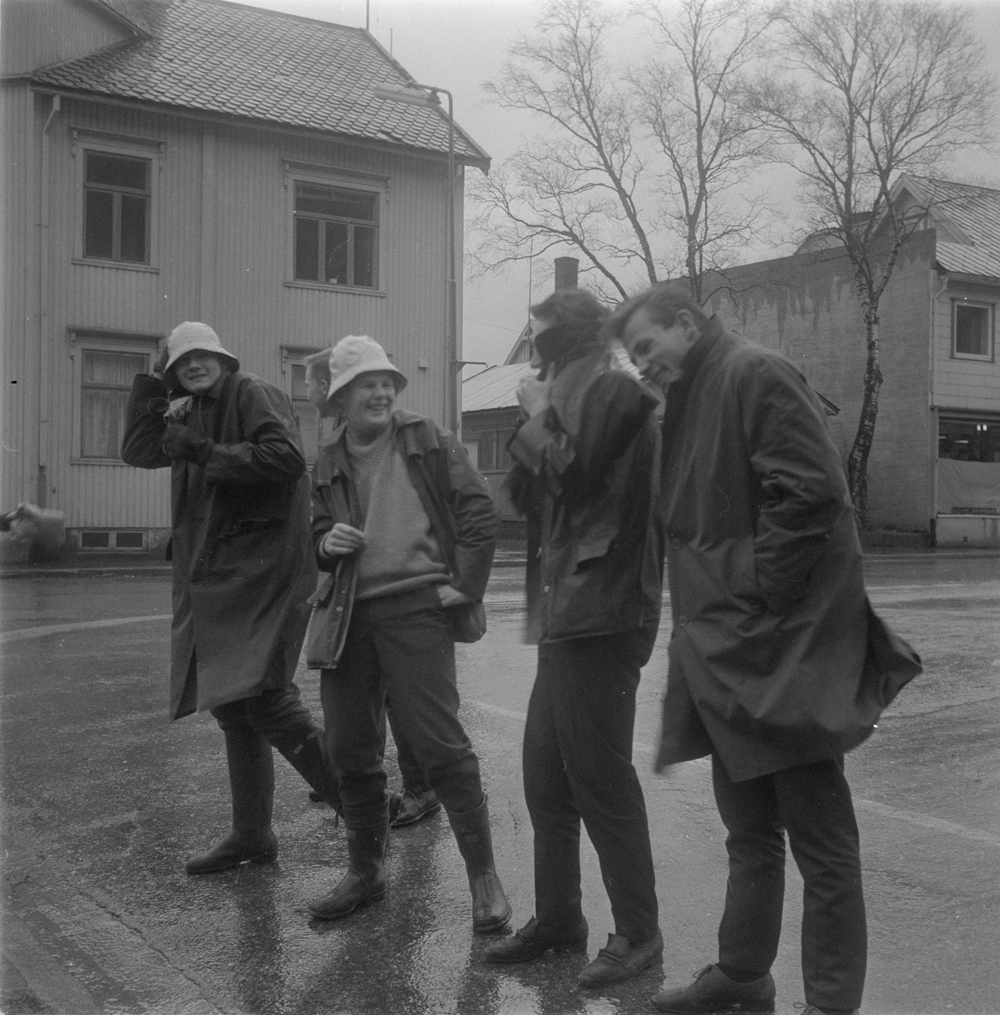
243	567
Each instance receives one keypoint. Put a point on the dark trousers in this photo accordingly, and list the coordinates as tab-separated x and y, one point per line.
400	647
812	803
271	715
578	764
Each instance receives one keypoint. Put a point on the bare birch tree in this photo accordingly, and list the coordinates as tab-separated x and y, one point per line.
632	166
870	89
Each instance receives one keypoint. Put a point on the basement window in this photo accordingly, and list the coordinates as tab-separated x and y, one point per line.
112	539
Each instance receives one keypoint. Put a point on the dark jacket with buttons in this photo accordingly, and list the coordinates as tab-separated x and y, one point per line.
459	507
776	658
592	459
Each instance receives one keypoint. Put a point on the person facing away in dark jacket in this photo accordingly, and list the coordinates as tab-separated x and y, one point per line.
242	571
777	664
405	528
586	469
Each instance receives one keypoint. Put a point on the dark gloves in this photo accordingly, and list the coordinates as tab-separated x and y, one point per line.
181	442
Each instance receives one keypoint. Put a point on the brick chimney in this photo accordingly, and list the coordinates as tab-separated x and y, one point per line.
567	269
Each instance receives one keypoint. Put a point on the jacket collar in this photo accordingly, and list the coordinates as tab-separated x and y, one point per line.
415	442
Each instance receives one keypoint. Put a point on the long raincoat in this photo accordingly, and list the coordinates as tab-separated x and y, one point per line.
243	566
776	658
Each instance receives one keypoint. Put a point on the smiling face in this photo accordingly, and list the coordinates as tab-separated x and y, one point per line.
657	350
197	371
366	404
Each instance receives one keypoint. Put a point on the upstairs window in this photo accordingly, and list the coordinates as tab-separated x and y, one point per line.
973	330
116	208
336	236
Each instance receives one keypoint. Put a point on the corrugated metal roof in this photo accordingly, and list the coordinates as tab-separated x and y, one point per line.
974	246
219	57
496	387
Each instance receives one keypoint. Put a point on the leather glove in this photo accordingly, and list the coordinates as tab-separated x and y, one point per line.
183	443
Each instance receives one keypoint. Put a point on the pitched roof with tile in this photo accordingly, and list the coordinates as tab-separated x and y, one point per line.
967	219
225	58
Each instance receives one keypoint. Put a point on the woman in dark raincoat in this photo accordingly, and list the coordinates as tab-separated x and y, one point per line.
243	570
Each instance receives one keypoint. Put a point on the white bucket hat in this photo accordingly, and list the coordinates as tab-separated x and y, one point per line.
193	335
359	354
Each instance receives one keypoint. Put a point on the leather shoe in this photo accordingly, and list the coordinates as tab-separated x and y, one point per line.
712	991
535	939
621	960
415	807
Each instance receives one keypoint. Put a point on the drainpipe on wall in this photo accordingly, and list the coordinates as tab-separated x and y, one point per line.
932	401
44	378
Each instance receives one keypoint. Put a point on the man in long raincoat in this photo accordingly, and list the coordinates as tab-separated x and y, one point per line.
243	570
777	664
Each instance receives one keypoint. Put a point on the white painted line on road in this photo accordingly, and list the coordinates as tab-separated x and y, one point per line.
926	821
41	632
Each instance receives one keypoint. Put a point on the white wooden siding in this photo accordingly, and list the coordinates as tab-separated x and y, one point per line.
222	252
964	383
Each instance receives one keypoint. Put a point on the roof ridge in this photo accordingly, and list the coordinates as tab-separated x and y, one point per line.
954	183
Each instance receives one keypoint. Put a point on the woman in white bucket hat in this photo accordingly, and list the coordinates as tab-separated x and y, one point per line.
243	571
405	528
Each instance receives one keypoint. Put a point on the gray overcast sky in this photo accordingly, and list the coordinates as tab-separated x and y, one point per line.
458	45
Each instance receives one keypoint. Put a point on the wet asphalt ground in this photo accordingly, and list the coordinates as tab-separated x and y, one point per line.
103	799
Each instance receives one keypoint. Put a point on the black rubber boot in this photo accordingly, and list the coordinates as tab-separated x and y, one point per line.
251	783
305	751
490	909
364	881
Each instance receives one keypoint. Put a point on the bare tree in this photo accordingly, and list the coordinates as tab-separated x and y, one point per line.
576	183
691	104
632	169
870	89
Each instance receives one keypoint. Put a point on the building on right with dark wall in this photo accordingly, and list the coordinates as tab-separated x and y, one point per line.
934	470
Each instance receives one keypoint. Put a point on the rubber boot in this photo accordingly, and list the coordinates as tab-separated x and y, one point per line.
364	881
251	783
490	908
306	752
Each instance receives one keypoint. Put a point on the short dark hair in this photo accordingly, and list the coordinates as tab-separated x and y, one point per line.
576	309
662	301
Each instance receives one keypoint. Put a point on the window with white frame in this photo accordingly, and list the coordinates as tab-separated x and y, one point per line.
117	198
105	366
116	202
335	235
972	329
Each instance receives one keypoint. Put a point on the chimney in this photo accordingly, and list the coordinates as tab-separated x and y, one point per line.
566	272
